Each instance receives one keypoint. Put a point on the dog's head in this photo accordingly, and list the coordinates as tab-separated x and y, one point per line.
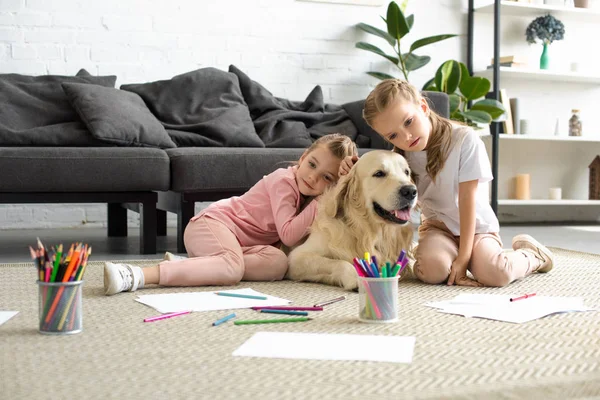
379	183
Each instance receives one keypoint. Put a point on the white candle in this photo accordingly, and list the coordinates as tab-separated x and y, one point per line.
555	193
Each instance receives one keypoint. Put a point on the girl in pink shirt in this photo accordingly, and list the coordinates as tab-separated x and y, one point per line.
235	239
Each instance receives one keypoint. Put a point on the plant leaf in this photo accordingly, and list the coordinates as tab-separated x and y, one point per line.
376	50
481	117
492	107
454	101
413	61
430	85
457	116
410	20
429	40
403	5
474	87
464	72
377	32
380	75
397	26
448	77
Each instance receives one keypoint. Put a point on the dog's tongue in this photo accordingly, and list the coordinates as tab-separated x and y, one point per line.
402	214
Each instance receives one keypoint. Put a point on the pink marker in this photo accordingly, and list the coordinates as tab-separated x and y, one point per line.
165	316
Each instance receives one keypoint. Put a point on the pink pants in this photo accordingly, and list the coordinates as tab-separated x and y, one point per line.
217	258
490	264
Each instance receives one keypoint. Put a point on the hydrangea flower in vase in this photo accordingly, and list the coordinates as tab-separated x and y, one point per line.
547	29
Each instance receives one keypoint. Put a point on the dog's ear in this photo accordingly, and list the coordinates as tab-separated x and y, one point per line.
414	177
341	194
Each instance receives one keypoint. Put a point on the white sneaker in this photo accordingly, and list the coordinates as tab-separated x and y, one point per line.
541	252
172	257
122	277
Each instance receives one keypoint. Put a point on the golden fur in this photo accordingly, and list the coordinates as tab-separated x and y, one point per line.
347	224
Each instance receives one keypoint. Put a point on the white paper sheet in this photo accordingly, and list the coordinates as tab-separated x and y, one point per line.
500	308
6	315
319	346
207	301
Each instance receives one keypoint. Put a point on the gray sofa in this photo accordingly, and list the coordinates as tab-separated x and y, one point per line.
144	148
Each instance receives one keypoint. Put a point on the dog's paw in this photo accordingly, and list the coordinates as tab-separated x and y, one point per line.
348	277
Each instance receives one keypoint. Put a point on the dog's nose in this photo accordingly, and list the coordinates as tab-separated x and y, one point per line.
408	192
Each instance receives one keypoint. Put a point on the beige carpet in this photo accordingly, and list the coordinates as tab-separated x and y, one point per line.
119	356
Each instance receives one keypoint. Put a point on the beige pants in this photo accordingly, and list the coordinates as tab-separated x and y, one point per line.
489	264
217	258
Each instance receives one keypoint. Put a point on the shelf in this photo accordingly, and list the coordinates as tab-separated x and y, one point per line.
511	202
576	139
572	139
536	10
540	75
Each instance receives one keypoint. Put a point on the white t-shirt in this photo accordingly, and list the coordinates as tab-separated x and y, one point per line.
467	160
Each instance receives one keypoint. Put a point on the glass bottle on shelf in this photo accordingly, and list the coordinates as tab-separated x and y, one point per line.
575	124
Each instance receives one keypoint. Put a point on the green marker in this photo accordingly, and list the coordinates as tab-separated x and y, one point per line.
270	321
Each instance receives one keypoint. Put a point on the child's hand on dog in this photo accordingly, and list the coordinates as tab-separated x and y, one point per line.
346	164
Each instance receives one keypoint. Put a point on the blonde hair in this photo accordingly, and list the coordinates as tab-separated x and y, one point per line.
390	90
339	145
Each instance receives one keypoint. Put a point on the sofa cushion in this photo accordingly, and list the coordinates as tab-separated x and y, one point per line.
232	169
77	169
281	123
206	105
117	116
34	110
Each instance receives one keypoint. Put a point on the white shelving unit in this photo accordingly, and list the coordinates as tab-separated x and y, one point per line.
551	161
574	139
512	8
540	75
543	202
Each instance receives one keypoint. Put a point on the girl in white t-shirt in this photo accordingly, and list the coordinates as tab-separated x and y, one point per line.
459	229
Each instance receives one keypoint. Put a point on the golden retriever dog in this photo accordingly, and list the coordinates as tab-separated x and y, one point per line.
368	210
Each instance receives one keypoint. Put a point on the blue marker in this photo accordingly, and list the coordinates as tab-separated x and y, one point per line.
224	319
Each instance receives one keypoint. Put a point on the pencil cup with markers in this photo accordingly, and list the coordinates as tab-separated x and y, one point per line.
378	299
378	288
60	282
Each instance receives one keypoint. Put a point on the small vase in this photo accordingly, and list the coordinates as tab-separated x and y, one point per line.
545	59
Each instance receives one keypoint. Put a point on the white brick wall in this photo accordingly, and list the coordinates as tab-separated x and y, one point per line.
288	46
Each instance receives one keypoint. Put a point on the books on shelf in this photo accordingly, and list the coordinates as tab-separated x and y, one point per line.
509	64
510	61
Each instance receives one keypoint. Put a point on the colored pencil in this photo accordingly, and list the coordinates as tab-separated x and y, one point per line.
223	320
328	302
286	312
297	308
271	321
165	316
244	296
525	296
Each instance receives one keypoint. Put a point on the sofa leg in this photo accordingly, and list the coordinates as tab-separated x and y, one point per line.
117	220
148	227
184	214
161	223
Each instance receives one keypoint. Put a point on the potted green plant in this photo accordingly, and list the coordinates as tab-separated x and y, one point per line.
453	78
548	29
398	26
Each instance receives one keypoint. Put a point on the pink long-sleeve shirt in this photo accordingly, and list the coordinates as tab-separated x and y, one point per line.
267	213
